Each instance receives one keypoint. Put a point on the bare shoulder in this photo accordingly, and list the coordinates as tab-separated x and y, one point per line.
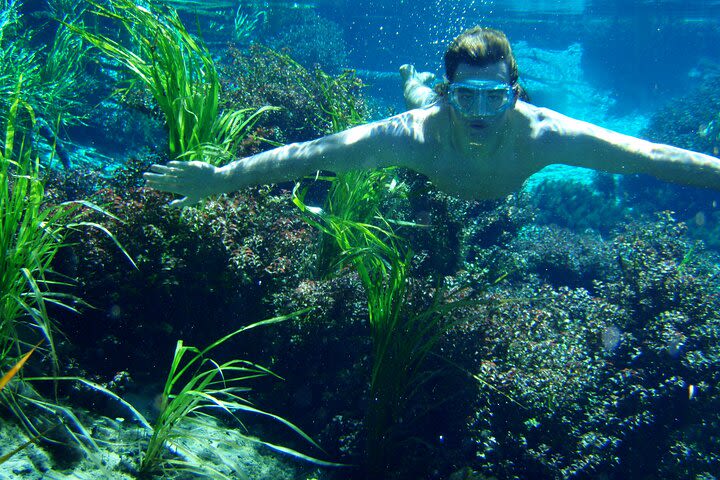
541	123
544	124
415	134
407	127
419	124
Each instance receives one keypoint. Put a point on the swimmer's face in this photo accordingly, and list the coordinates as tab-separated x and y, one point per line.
480	128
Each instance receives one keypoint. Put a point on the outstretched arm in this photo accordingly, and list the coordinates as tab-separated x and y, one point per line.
573	142
379	144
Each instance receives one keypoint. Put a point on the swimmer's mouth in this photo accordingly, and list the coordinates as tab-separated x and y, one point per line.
478	125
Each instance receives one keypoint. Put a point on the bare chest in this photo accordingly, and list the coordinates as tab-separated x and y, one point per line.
478	176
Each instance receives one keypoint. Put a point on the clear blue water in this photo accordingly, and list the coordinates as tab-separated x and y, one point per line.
642	51
615	63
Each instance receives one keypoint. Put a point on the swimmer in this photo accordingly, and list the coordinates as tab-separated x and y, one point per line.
475	138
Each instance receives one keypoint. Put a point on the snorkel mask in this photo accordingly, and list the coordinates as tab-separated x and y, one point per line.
480	99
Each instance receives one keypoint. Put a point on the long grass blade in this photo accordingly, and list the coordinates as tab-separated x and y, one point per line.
14	370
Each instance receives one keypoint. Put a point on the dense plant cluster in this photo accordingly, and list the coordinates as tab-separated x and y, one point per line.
202	256
334	345
579	206
579	383
562	257
690	121
311	40
261	77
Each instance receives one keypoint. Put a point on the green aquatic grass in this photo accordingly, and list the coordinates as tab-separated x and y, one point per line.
177	71
353	198
53	77
181	76
31	235
339	101
196	392
62	80
196	386
355	233
401	339
228	132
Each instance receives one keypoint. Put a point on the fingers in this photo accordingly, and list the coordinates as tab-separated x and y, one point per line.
166	176
172	169
179	165
183	202
158	178
170	185
163	169
160	181
165	182
175	177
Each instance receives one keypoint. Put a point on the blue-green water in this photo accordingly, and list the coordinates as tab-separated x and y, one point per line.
568	330
644	52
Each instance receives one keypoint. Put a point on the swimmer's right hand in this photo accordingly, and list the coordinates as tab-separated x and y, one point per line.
193	180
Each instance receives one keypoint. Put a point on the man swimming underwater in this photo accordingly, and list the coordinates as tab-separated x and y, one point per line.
475	139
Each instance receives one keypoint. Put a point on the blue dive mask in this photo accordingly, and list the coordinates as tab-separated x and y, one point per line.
480	98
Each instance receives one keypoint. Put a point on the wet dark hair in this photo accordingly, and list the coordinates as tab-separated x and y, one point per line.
480	46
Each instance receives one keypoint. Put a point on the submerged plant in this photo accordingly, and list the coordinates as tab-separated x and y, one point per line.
197	392
62	80
245	24
196	385
355	233
31	234
401	339
52	77
3	382
181	76
353	200
354	196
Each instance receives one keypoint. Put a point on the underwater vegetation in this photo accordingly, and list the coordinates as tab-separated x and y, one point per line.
52	78
30	283
311	102
401	339
591	381
554	335
579	206
32	233
311	40
181	76
196	386
690	121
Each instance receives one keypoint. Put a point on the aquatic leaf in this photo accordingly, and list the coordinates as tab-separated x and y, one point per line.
14	370
196	384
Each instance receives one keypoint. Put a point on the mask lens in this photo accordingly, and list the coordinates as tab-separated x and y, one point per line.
467	99
495	99
480	99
